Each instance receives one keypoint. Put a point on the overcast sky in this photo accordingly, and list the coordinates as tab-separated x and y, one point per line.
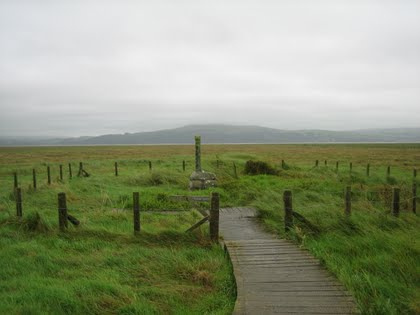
70	68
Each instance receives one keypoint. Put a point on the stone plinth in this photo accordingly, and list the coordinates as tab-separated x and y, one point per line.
202	180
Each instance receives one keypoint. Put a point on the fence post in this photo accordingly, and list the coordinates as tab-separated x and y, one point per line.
18	192
61	172
336	166
136	212
414	173
414	197
234	170
62	212
116	168
326	163
150	166
70	172
396	202
283	164
217	163
214	217
288	210
49	175
351	167
80	173
183	165
15	180
348	200
34	178
368	170
388	171
316	163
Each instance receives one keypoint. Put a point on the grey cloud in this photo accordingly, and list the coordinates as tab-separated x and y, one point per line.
91	67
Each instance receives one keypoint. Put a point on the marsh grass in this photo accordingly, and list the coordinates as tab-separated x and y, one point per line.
100	267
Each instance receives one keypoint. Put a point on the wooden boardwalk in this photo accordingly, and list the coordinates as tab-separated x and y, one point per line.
274	276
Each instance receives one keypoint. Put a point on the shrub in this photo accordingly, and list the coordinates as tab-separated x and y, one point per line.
259	167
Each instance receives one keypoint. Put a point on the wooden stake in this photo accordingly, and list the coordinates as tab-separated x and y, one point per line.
351	167
62	212
326	163
347	210
288	210
61	172
183	165
414	173
116	168
70	172
150	166
414	198
336	166
316	163
15	180
18	193
396	202
214	217
34	178
49	175
136	212
388	171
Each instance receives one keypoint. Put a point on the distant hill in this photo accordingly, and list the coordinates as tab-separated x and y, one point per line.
233	134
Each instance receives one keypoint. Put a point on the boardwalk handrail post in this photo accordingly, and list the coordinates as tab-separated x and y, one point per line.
62	212
19	202
214	217
347	210
288	210
396	201
136	212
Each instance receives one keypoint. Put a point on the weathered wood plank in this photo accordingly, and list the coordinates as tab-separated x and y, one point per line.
274	276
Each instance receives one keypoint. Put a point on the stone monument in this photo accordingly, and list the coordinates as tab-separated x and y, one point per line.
200	179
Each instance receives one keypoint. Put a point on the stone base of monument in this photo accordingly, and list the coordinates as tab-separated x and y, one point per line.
202	180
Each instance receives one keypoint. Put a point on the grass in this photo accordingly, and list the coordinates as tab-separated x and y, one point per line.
101	267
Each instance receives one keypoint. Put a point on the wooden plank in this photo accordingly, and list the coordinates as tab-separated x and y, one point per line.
274	276
190	198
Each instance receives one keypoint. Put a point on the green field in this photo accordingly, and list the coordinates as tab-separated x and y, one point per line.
101	267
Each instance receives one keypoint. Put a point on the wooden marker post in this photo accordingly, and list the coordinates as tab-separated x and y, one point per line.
34	178
136	212
62	212
49	175
288	210
396	202
18	193
347	210
116	168
214	217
